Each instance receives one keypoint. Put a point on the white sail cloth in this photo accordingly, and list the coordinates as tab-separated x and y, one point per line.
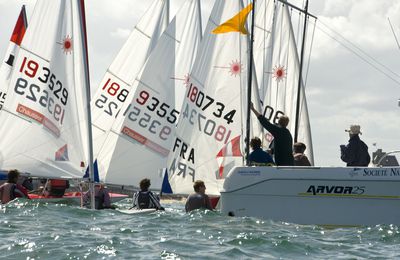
41	123
277	65
116	88
143	141
207	142
7	66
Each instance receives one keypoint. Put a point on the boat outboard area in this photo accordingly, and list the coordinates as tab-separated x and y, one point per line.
342	196
60	190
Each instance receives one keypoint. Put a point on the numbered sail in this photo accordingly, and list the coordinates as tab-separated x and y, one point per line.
211	120
41	122
116	88
7	65
139	147
277	64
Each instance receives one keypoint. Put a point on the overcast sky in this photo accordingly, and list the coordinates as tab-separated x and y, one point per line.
342	89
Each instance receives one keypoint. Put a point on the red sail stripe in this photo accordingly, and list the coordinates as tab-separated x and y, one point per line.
234	148
20	28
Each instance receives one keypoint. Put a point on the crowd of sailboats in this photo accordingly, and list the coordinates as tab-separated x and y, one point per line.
175	102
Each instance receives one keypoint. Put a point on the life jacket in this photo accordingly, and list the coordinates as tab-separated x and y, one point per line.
58	187
99	201
143	200
7	192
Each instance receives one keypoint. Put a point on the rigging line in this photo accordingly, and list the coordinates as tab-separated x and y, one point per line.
394	34
309	55
360	56
359	49
298	29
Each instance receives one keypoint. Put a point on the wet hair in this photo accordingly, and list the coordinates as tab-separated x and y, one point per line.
299	147
283	121
197	185
255	143
144	184
13	175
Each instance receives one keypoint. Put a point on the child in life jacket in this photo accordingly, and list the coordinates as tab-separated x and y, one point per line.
11	190
145	199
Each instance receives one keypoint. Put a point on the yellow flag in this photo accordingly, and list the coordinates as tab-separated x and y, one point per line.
236	23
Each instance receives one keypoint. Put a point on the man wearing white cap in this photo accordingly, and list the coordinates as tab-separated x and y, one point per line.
355	153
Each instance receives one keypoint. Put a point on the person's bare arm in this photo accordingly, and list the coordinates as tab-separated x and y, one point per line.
254	110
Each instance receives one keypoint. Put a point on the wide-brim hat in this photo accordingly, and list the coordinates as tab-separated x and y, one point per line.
354	130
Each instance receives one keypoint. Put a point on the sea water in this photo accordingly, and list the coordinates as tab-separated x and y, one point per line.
32	230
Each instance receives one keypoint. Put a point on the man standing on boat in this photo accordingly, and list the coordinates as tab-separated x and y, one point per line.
283	140
355	153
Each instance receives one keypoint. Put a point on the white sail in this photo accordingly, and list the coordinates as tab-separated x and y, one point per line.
211	121
277	64
117	82
7	65
139	147
41	121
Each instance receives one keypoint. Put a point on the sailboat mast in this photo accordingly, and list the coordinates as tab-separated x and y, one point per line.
249	79
296	126
81	6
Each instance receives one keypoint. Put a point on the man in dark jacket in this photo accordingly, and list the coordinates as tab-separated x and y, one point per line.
258	155
283	140
355	153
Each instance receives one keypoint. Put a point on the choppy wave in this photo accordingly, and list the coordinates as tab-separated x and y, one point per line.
31	230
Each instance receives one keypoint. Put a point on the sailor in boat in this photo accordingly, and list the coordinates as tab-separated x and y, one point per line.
101	196
283	140
27	182
300	159
57	187
145	199
199	199
258	156
11	190
355	153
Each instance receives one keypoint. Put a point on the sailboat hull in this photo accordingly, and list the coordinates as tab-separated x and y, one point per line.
72	196
314	195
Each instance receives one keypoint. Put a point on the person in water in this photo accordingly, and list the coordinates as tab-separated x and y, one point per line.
300	159
258	156
101	197
283	140
56	187
145	199
355	153
199	199
11	190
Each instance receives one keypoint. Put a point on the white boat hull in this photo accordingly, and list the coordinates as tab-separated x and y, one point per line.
314	195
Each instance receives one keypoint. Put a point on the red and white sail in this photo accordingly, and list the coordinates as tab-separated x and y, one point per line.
213	112
7	65
42	129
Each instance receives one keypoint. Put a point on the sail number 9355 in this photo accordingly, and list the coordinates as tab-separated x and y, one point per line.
154	104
